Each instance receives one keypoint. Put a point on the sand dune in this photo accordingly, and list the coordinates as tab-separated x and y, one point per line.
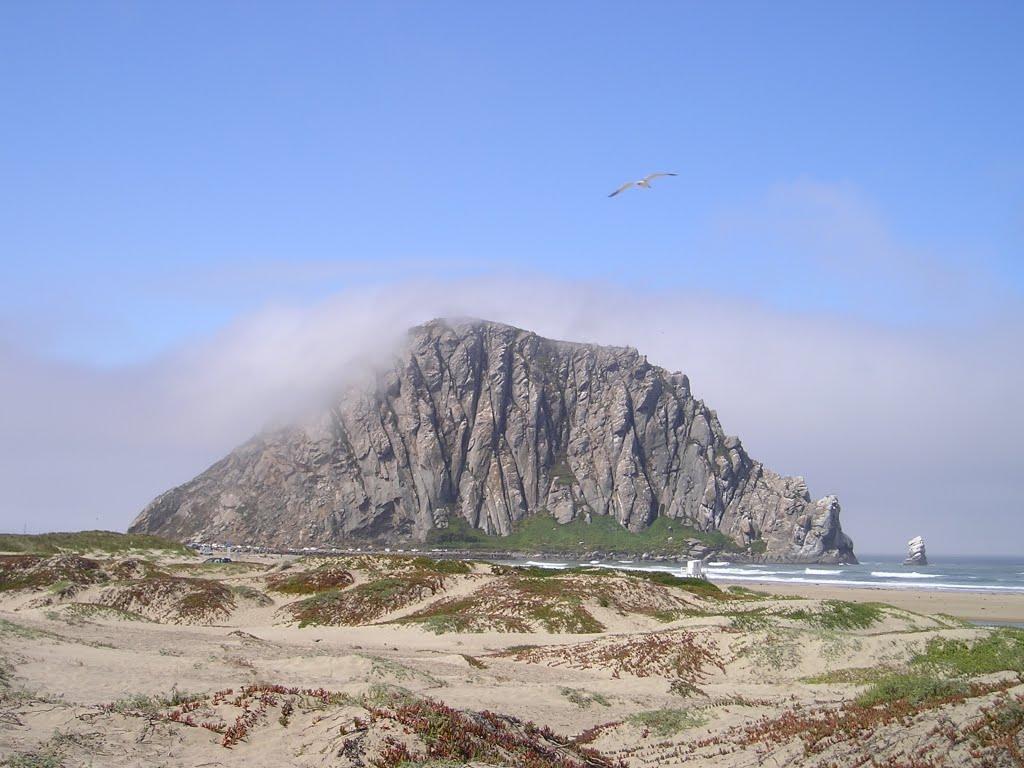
392	661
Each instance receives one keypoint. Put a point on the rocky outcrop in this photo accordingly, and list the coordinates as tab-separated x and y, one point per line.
490	423
915	552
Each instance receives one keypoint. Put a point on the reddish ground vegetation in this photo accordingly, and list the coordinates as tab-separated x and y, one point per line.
859	735
997	736
453	737
436	734
680	657
233	714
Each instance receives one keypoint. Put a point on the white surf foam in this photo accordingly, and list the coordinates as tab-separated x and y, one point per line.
553	566
822	571
742	572
652	568
902	575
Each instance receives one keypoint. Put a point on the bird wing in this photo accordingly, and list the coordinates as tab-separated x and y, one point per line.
623	188
656	175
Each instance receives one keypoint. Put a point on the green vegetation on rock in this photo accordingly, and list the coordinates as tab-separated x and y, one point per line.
602	533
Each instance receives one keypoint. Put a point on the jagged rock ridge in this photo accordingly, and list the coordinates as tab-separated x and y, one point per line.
492	423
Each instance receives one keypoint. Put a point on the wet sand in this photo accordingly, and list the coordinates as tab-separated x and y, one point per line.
971	606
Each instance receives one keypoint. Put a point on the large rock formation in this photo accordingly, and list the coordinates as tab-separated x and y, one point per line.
492	423
916	554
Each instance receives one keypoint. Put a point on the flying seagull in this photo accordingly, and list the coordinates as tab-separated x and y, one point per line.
645	182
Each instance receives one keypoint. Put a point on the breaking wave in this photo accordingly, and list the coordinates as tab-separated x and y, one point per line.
901	575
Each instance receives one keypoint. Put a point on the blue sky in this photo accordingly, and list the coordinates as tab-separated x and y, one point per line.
171	171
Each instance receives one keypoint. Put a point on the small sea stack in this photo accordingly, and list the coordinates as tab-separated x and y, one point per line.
915	552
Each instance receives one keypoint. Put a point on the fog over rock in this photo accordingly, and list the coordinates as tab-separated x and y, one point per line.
492	423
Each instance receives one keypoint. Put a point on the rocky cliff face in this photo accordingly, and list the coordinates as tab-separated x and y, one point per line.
492	423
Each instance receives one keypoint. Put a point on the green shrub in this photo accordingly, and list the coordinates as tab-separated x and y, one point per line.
1000	651
583	699
667	722
840	614
911	687
442	565
46	759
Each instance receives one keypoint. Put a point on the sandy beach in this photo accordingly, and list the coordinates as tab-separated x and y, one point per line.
970	606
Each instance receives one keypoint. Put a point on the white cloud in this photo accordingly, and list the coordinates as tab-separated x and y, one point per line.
879	370
915	431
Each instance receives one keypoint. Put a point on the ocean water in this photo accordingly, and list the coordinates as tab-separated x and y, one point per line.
953	574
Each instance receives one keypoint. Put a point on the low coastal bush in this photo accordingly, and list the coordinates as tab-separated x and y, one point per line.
145	704
914	688
251	594
513	604
366	602
454	738
667	722
48	758
310	582
1000	651
34	572
583	699
453	567
840	614
946	666
699	587
87	541
93	610
522	599
172	598
849	676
